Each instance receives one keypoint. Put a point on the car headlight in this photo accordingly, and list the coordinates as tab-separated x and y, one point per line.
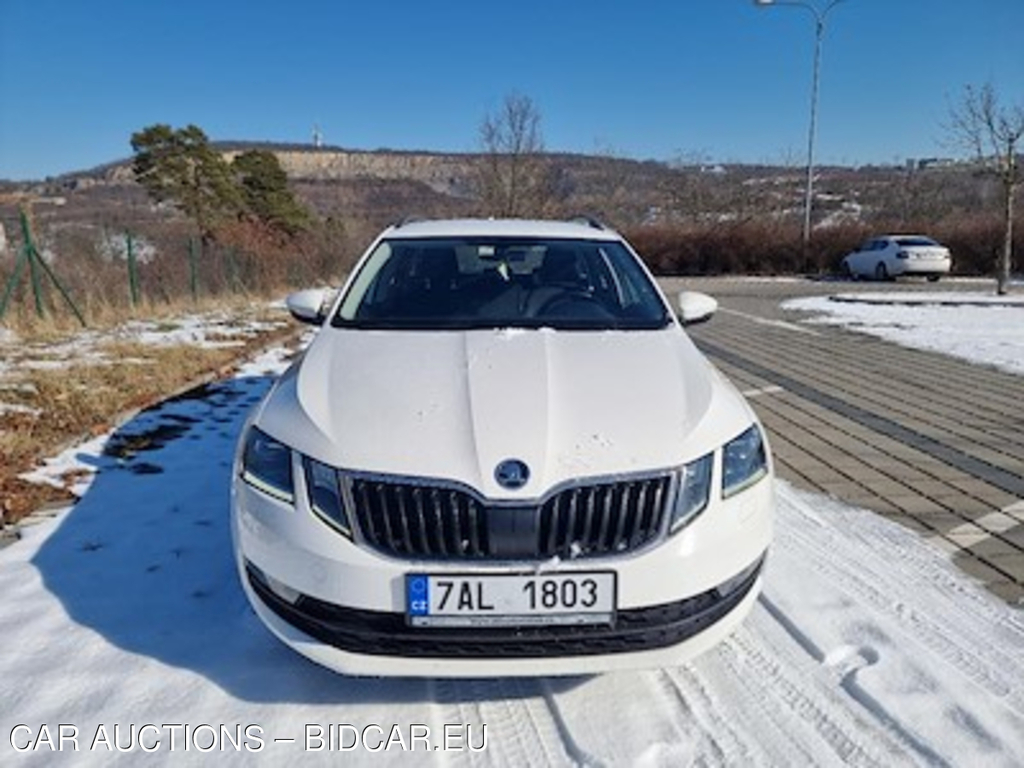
694	489
325	494
267	465
744	461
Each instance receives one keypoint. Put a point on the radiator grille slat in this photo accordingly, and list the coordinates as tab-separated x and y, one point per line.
602	537
421	519
403	519
429	521
384	498
370	530
619	513
437	528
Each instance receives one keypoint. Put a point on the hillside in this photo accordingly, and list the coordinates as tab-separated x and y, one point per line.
385	184
718	218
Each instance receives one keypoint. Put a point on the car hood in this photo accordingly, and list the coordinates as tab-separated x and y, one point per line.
454	404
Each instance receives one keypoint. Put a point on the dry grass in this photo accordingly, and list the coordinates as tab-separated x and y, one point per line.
59	323
57	407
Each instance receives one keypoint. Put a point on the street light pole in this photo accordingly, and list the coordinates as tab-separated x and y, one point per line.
819	32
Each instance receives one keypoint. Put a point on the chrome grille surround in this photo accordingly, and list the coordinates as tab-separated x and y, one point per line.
426	519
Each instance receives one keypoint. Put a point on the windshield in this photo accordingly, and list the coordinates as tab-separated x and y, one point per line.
464	283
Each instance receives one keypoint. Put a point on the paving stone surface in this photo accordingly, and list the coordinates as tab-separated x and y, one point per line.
933	443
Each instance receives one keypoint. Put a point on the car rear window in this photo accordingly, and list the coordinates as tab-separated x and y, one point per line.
915	241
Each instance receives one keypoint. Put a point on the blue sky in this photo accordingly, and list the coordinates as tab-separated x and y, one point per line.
718	80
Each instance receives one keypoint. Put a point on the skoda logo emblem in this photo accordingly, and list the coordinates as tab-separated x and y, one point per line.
512	474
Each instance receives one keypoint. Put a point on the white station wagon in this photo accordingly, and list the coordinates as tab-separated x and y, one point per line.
501	455
894	255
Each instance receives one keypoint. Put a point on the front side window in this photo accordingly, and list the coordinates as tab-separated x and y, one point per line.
465	283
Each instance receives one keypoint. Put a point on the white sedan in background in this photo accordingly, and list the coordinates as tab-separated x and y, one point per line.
501	455
890	256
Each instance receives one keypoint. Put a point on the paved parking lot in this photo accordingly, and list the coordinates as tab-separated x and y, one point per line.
930	442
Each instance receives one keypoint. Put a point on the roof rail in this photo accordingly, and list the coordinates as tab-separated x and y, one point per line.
590	221
408	220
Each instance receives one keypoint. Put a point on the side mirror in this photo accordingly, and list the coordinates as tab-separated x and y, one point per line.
695	307
308	306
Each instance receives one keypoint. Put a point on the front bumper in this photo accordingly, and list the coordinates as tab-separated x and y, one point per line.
343	605
379	633
369	643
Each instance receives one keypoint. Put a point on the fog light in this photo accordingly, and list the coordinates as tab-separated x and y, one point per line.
730	585
279	588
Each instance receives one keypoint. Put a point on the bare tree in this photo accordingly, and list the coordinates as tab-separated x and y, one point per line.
683	189
993	134
514	176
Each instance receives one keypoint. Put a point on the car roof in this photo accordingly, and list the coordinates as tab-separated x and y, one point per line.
576	229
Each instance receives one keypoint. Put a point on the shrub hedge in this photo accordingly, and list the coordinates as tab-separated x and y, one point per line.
767	248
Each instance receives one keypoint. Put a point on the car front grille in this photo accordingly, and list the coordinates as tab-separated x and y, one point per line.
412	520
409	520
603	519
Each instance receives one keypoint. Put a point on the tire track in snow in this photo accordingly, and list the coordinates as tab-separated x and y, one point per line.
718	742
764	681
957	641
844	664
896	625
840	667
757	700
614	720
579	755
522	730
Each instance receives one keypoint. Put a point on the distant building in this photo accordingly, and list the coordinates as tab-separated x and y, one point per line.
923	163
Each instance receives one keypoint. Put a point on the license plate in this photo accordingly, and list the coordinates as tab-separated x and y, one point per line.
476	600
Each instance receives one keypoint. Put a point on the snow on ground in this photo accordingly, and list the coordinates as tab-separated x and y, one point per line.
92	347
219	329
977	327
867	647
209	330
